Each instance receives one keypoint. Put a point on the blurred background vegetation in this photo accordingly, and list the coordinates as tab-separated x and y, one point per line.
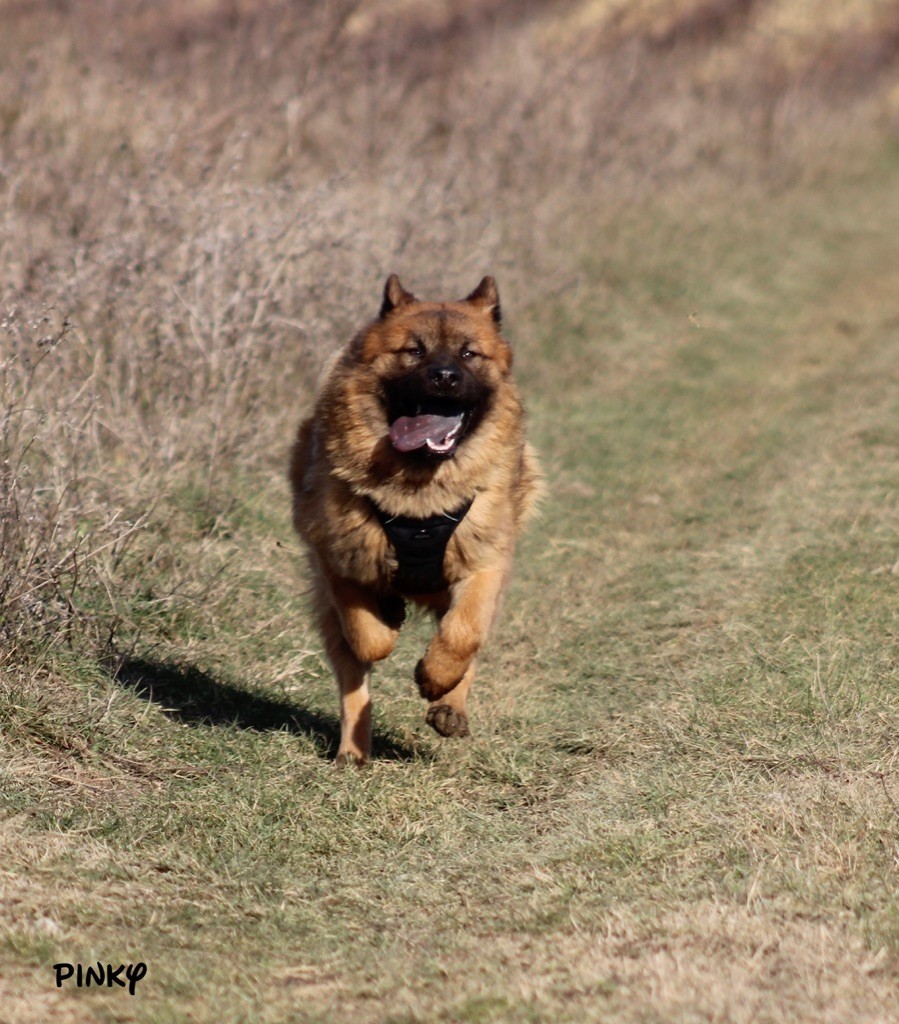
200	199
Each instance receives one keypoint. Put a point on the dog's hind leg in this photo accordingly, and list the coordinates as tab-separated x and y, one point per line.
447	715
352	682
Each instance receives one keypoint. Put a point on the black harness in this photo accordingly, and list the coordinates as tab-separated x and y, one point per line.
420	546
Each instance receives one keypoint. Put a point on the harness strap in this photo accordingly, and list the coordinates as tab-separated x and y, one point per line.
420	546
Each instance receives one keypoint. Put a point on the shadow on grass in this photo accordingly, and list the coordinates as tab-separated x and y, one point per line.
190	695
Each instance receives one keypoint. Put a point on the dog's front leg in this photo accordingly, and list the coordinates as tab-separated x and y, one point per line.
363	618
463	630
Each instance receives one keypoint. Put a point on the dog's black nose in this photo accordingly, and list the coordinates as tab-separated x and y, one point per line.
444	377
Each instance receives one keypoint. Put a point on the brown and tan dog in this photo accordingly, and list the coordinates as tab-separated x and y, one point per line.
411	480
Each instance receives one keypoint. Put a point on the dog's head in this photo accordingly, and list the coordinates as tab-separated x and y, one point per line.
438	365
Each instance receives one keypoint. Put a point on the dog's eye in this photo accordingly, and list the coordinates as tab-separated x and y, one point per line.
469	353
414	348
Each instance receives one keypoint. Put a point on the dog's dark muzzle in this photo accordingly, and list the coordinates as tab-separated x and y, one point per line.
433	409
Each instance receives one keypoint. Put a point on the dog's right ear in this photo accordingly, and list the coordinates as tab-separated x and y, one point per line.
395	296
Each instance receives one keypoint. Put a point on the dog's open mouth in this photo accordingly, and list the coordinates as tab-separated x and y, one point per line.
437	430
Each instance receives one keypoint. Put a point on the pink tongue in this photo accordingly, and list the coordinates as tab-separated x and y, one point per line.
411	432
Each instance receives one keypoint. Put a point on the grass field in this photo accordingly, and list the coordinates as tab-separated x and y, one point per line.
681	798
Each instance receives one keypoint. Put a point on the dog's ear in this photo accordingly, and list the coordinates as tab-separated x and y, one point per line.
486	297
395	295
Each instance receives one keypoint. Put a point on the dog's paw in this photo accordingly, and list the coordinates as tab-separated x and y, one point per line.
447	721
350	759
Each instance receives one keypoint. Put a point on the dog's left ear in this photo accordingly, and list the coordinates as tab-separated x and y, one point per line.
486	297
395	295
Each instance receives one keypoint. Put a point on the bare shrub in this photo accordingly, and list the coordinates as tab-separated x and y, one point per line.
59	538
